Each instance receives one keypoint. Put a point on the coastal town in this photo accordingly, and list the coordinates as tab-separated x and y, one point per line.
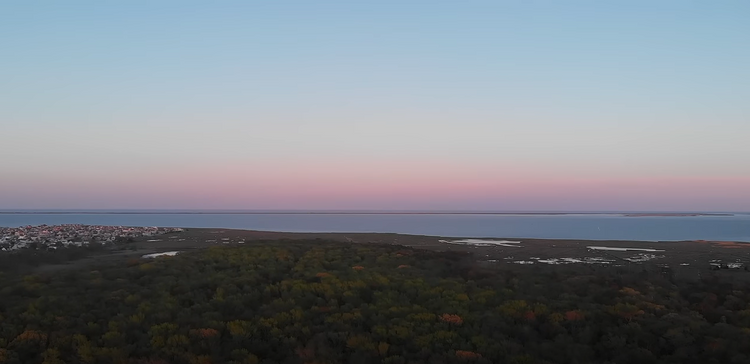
57	236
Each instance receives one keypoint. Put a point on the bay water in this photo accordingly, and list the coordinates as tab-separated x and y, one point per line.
734	227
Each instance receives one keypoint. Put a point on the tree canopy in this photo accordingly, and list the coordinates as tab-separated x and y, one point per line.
325	302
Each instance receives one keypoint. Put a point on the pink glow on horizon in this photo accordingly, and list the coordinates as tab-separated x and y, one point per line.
391	186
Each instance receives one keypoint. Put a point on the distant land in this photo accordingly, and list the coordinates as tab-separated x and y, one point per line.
675	214
691	256
254	294
353	212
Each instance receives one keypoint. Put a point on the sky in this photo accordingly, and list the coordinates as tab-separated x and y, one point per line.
386	105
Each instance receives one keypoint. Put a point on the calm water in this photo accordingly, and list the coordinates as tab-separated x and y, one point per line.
578	226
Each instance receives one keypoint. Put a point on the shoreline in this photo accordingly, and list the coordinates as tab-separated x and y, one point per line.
624	214
274	234
693	256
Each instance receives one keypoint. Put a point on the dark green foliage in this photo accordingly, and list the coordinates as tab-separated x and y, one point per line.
24	260
319	302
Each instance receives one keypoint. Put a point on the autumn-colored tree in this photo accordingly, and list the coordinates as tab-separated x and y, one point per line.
626	311
451	319
529	316
31	336
629	291
383	348
574	315
205	333
4	354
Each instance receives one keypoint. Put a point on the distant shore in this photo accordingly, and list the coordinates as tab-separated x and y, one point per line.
626	214
675	214
508	252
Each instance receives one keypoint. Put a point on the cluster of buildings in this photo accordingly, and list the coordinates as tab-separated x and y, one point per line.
54	236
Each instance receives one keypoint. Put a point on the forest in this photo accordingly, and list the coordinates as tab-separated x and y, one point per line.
321	302
26	260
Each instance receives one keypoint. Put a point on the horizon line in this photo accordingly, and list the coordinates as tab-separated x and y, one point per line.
357	211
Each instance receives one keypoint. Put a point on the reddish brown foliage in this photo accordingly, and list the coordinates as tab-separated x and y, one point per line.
529	315
358	267
205	333
574	316
452	319
323	275
31	335
404	266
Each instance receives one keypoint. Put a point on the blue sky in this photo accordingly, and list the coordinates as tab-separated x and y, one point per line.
376	98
